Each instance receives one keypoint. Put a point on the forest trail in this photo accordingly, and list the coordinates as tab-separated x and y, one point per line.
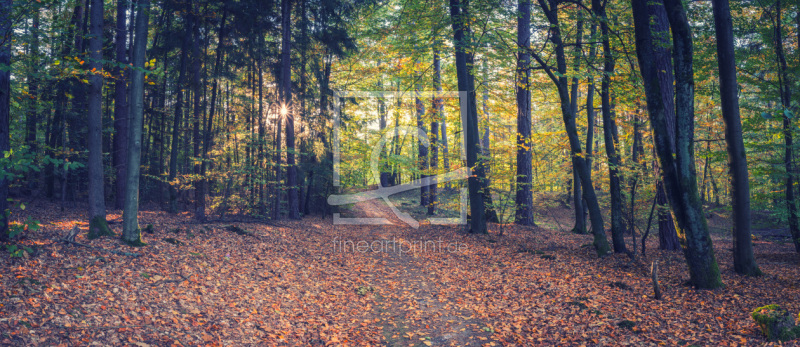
411	305
290	283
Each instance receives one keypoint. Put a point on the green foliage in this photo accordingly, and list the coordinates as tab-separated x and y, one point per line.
16	251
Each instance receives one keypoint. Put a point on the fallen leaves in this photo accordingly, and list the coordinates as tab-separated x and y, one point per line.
285	284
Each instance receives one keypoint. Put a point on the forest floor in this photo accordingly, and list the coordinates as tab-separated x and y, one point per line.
308	283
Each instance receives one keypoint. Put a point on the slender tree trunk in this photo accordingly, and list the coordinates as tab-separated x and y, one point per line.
580	215
422	151
200	211
524	196
286	86
486	150
786	99
743	260
121	107
130	224
677	171
6	33
197	107
551	12
610	134
97	203
462	41
32	117
178	118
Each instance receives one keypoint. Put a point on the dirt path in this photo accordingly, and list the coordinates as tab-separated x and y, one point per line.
412	307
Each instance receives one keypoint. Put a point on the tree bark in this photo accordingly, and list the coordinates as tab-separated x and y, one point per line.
462	41
98	225
286	86
524	196
208	136
743	260
786	99
550	9
677	171
178	118
6	33
121	107
130	224
610	134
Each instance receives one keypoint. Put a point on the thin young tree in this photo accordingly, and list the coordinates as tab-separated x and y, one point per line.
5	105
743	260
121	107
98	226
286	87
559	78
130	222
524	196
176	125
610	132
786	102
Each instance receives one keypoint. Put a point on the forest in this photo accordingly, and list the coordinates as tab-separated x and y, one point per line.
399	172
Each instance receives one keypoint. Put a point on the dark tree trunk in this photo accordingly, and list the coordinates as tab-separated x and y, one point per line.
577	197
119	157
578	160
462	41
743	260
200	209
130	224
524	196
422	151
486	151
178	118
610	134
286	86
198	108
5	105
668	234
786	99
678	171
32	116
97	203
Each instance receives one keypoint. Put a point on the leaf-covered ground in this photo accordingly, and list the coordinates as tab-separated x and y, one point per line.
302	283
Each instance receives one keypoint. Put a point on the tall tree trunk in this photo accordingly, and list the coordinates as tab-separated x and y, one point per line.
677	171
524	196
98	225
578	160
32	117
668	234
286	86
486	149
462	41
130	223
437	76
422	151
577	196
610	134
198	108
437	107
743	260
178	118
786	100
200	209
121	107
6	33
